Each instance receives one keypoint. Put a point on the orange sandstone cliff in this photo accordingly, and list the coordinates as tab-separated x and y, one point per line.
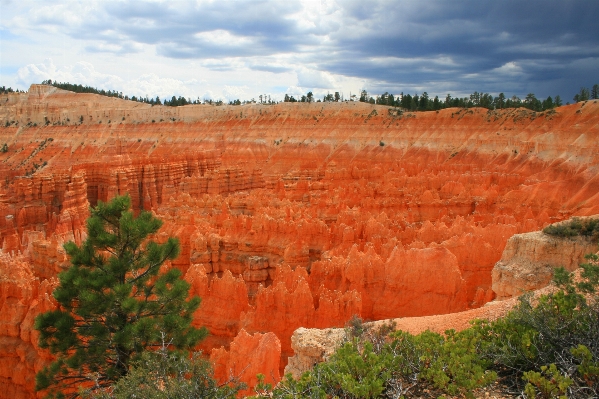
289	215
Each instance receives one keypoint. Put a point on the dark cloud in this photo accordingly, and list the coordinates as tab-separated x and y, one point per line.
481	37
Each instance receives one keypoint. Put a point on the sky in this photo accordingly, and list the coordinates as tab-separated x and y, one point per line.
241	49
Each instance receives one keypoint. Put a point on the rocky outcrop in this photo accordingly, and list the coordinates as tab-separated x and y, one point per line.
529	260
526	265
289	304
313	346
289	215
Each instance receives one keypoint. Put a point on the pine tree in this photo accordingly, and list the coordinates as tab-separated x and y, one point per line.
114	302
557	101
583	95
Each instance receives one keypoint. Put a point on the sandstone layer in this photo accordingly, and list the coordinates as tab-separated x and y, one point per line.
289	215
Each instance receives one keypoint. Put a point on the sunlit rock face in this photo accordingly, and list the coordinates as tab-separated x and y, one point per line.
288	215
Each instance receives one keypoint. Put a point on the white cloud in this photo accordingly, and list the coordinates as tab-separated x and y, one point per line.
147	84
35	73
85	73
509	68
235	92
81	72
223	38
311	78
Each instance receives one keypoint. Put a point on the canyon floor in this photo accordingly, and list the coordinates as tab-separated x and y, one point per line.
289	215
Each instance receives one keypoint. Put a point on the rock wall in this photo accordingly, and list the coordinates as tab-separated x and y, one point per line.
290	215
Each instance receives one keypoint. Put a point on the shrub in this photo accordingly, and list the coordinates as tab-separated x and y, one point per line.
575	227
450	362
165	374
549	382
362	368
562	330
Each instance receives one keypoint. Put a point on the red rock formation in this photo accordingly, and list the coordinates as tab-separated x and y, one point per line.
223	301
293	215
248	356
22	297
413	282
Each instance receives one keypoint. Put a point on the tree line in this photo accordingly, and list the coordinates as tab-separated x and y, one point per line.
585	94
5	90
424	102
175	101
476	99
78	88
416	102
308	98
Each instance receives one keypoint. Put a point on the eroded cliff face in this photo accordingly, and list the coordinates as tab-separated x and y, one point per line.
289	215
529	260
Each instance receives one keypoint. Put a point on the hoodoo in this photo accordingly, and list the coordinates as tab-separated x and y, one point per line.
289	215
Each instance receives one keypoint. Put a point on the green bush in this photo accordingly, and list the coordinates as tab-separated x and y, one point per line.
550	383
560	329
358	372
165	374
363	369
449	362
575	227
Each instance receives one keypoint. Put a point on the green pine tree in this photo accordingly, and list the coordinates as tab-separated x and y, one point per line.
114	302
